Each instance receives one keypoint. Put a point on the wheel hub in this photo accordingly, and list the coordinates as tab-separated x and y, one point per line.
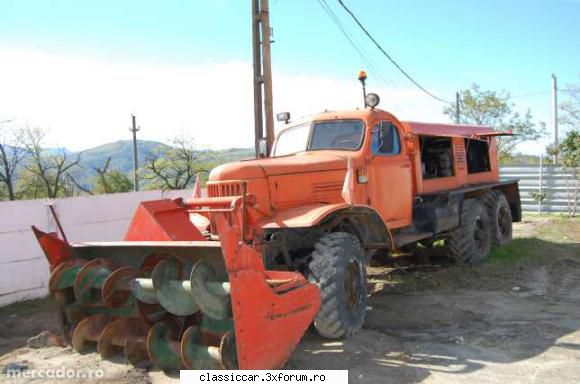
480	234
503	221
351	285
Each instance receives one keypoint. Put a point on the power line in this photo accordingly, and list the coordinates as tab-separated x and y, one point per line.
530	94
539	93
387	55
367	60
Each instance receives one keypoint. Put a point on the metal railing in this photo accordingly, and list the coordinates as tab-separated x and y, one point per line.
555	183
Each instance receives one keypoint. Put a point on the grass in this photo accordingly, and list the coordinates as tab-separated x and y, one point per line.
538	238
562	229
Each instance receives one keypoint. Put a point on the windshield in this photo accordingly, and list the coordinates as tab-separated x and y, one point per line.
336	134
292	140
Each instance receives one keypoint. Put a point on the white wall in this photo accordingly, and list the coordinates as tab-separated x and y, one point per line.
23	266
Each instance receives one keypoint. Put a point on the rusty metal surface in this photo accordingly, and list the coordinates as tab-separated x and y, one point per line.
163	347
195	355
126	336
87	331
147	244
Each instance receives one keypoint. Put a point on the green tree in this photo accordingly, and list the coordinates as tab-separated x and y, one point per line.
45	174
111	181
3	192
176	167
106	181
570	149
11	157
494	109
570	109
569	156
29	186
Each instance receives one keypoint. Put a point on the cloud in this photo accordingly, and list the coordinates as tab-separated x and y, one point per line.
84	102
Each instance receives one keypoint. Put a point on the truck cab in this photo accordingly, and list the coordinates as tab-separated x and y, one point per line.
378	148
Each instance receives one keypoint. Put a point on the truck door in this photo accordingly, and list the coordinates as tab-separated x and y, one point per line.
390	176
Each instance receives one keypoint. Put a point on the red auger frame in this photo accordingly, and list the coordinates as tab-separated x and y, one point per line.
168	295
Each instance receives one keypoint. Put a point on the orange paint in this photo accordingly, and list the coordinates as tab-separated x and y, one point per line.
300	190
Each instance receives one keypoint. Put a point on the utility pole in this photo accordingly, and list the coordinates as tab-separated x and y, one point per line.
555	112
134	129
257	53
457	113
262	75
267	75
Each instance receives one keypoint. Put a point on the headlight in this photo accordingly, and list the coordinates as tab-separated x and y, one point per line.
372	100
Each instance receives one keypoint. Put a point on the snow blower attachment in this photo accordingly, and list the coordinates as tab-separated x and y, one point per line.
170	296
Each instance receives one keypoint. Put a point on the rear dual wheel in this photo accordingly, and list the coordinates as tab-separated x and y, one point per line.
470	243
338	268
500	216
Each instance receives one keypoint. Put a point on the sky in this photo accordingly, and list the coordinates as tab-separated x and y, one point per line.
79	69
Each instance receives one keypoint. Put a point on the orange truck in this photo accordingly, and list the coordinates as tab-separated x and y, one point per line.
234	279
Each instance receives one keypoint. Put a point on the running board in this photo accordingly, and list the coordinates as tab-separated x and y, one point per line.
409	238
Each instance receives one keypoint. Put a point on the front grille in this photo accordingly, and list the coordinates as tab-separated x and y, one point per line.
226	189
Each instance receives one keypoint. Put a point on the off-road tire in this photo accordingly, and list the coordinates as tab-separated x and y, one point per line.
500	217
338	268
470	243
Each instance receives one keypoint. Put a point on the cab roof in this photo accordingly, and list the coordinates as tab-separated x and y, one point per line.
449	130
418	128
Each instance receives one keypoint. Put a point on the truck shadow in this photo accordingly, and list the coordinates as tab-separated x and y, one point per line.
441	323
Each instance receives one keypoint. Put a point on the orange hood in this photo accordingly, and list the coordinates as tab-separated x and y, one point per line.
305	162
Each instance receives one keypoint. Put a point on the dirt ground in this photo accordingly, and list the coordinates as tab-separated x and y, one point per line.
514	319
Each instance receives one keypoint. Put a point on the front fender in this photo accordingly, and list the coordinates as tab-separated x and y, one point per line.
367	223
301	217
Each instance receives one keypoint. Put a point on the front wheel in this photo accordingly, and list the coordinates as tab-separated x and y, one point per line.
338	268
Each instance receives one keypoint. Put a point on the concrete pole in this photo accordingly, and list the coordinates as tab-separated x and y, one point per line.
257	56
541	182
267	75
134	129
457	113
555	113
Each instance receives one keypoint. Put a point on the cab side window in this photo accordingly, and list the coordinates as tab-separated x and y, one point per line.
385	139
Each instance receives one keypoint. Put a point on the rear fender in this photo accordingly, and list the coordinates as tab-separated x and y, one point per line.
512	194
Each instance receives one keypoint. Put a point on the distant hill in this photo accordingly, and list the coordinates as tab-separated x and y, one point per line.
228	155
121	154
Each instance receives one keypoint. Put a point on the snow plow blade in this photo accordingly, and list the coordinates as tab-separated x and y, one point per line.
168	295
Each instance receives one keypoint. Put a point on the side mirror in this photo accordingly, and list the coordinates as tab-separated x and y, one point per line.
411	144
263	148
